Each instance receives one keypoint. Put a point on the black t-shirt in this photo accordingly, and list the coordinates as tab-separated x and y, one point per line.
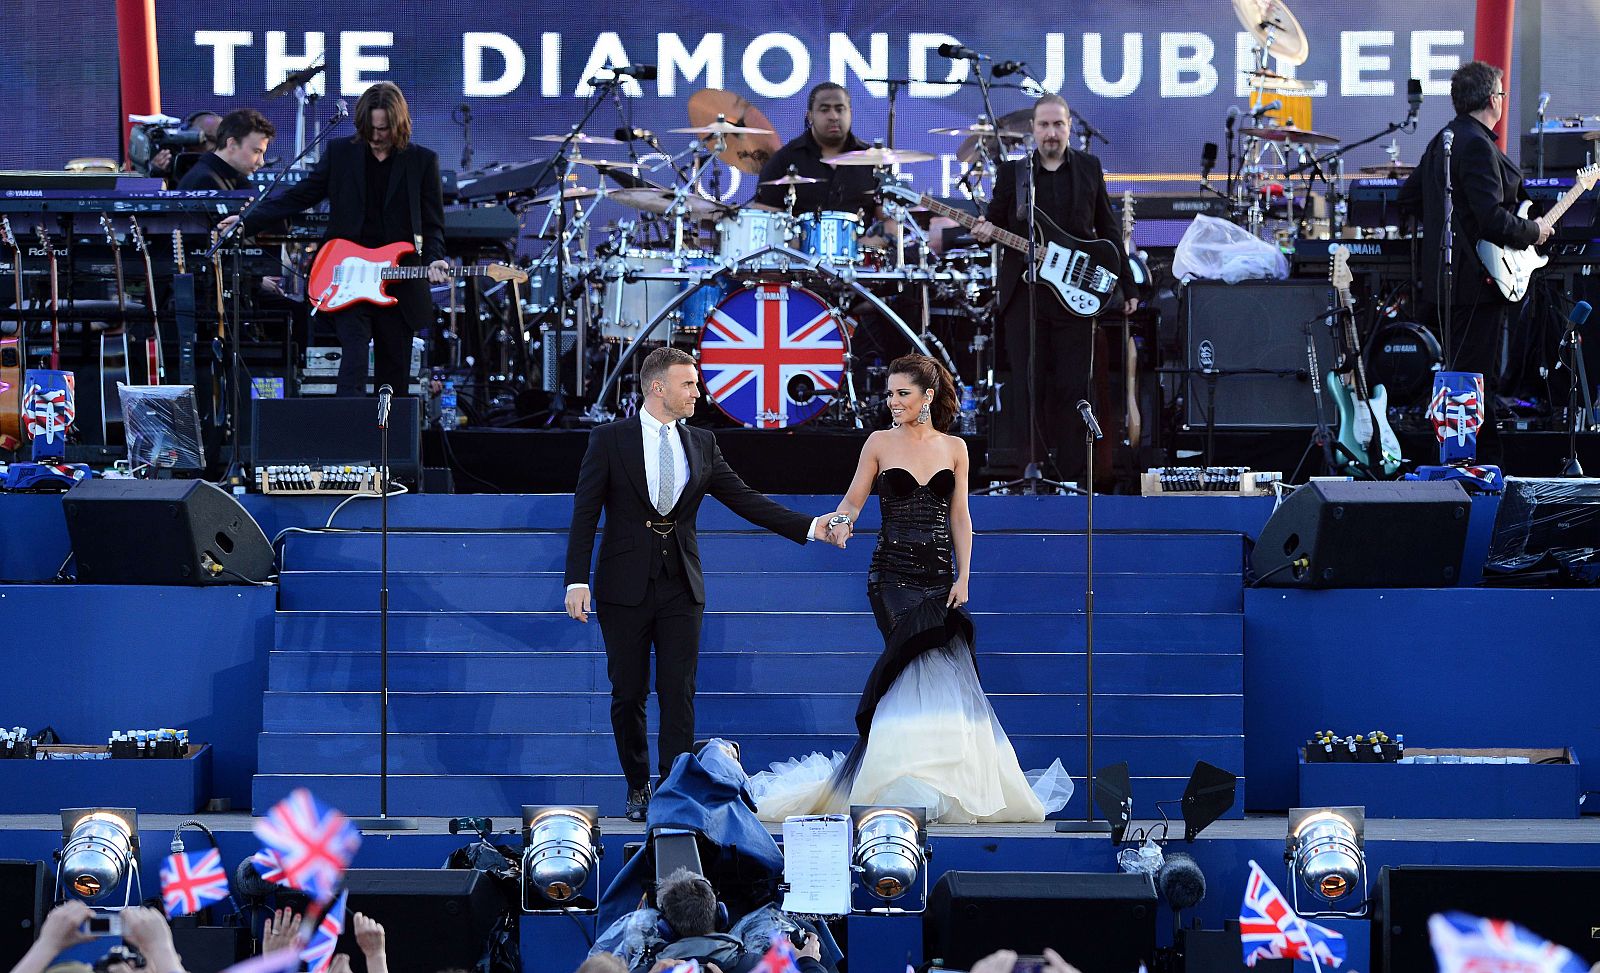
848	189
378	175
211	172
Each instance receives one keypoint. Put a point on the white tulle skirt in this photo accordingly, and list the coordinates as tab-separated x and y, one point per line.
935	743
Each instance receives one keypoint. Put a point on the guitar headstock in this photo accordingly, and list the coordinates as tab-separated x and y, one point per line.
137	233
504	272
1340	272
889	185
44	239
110	230
177	252
6	235
1588	176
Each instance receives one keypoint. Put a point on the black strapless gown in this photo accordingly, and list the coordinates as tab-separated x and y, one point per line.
927	735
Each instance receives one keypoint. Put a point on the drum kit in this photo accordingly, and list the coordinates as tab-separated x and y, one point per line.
779	305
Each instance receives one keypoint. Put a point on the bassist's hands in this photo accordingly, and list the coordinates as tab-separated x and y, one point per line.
1130	305
983	231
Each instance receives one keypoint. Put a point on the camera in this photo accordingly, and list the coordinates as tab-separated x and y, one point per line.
1031	964
119	954
109	924
155	133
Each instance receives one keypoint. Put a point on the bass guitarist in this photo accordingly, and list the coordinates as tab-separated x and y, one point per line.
1069	188
381	188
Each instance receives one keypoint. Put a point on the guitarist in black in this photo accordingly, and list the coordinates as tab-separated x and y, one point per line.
1486	188
1070	188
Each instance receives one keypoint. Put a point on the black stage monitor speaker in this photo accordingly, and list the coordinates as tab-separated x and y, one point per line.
163	532
26	890
1220	951
1352	534
1252	334
1560	904
436	918
1098	923
335	432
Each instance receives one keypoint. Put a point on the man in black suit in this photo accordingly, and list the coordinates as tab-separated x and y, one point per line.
649	474
242	140
1070	188
1486	188
381	188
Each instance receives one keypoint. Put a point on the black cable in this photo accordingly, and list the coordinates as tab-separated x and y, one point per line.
1296	563
455	464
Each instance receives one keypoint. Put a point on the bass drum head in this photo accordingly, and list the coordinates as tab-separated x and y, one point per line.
1403	357
772	355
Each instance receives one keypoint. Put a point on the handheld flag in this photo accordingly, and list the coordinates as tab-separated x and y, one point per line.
1465	942
318	954
314	843
1270	929
190	882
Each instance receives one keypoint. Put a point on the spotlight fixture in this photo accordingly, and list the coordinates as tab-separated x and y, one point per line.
891	851
560	857
99	852
1209	794
1326	852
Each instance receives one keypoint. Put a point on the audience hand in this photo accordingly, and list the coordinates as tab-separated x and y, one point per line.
63	927
147	931
370	937
281	930
1056	963
339	964
999	961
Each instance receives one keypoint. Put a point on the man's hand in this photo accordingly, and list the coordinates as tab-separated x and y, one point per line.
810	945
999	961
835	534
1546	230
369	936
280	931
439	271
984	232
63	927
1130	305
579	604
147	931
161	161
1056	963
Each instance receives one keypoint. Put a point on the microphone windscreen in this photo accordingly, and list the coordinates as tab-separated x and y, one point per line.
247	881
1181	882
1580	312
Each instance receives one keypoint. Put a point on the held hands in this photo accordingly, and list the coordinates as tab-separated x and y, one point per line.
439	272
835	534
580	604
958	594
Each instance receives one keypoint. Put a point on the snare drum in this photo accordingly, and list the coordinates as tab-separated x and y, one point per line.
831	236
751	230
772	356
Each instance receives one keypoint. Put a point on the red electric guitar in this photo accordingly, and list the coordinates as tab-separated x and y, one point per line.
347	273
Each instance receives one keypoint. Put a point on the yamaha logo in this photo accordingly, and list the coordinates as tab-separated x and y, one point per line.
1401	349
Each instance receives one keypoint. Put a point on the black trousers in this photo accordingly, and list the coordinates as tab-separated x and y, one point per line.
390	335
1060	372
669	618
1476	335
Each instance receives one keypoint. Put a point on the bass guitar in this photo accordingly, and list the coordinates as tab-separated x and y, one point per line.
346	273
11	350
1130	369
1512	270
1080	273
1364	430
49	248
113	347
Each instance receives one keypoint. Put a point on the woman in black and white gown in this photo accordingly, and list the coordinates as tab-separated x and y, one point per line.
927	734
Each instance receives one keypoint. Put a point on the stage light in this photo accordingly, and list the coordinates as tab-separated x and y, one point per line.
99	852
890	851
561	849
1326	851
1209	794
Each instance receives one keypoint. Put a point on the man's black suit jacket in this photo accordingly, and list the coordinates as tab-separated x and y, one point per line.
1486	189
341	179
612	478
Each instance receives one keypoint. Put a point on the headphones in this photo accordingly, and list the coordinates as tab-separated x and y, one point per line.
664	928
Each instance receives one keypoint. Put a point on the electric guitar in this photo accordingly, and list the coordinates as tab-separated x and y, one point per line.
346	273
49	248
155	369
11	351
113	346
219	372
1080	273
1512	270
1363	416
1130	351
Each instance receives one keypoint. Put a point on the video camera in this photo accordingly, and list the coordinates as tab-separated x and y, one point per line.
152	133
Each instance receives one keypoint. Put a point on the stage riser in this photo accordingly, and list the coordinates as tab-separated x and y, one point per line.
422	670
544	551
580	753
755	591
728	714
1169	630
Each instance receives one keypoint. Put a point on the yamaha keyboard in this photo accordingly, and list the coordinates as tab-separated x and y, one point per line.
206	203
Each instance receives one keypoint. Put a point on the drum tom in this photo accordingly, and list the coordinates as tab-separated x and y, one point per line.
1403	357
831	236
639	284
772	355
750	231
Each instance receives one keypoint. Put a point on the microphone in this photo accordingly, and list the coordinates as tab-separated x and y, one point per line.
1260	110
1208	161
1007	68
639	72
634	135
1414	97
1233	116
1087	412
1579	314
385	398
341	109
956	52
1544	102
1181	882
1449	138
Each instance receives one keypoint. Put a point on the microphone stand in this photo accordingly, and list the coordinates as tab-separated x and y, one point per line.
383	822
1577	377
1091	432
1447	242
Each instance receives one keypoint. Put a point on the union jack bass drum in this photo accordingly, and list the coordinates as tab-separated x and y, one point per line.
772	355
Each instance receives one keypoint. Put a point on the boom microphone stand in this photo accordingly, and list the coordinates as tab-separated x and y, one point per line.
1091	432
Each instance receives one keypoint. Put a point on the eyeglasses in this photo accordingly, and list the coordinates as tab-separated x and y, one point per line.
1497	94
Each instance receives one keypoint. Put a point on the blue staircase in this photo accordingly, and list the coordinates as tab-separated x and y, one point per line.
497	699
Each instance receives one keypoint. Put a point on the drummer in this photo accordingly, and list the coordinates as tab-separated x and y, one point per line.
847	189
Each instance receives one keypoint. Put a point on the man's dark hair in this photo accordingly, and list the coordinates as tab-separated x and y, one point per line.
657	362
1472	85
822	89
385	95
240	124
688	903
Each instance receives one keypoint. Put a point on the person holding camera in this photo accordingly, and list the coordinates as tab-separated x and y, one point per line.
145	930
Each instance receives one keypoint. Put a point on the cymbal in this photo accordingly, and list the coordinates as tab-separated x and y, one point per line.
660	202
1270	81
604	165
880	156
1288	133
978	128
1013	128
581	138
1593	136
1289	41
295	79
721	127
571	192
746	152
791	180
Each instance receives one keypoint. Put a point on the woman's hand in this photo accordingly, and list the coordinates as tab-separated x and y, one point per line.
958	594
280	931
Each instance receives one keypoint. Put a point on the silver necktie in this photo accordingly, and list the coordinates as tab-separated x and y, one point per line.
665	484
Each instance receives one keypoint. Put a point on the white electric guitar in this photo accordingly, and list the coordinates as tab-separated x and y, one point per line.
1511	270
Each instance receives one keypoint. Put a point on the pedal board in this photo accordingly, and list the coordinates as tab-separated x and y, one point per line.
328	481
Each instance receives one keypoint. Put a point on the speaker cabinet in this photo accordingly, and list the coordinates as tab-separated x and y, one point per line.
435	918
335	432
1352	534
1560	904
26	889
1252	334
184	532
1099	923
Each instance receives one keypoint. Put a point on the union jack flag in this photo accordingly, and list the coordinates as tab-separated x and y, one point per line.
314	843
1457	413
267	866
1467	944
1270	929
190	882
318	953
780	958
758	341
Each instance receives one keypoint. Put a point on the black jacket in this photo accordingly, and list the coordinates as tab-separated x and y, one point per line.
211	172
612	478
845	189
1486	189
341	179
1085	213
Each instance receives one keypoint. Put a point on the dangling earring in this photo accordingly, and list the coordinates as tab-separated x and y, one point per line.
925	414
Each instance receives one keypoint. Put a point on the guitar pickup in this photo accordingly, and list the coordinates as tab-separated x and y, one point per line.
1102	281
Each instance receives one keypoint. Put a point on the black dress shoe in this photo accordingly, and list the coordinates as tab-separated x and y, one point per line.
638	803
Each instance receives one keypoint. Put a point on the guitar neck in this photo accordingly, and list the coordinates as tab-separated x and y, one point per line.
1564	203
421	273
1003	237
